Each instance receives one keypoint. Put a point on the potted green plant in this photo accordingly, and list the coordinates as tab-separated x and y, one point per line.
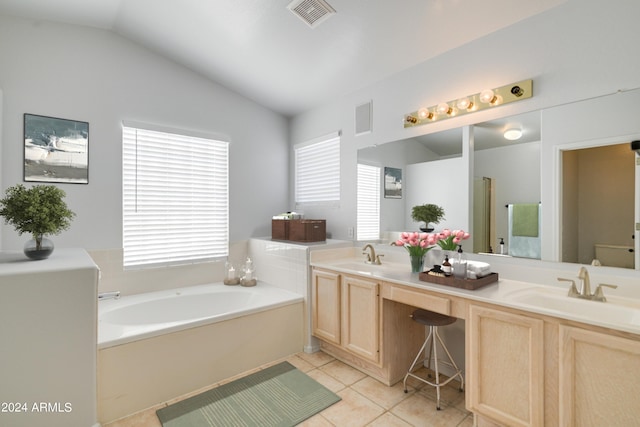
39	210
429	214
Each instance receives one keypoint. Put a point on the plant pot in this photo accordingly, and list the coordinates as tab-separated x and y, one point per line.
38	249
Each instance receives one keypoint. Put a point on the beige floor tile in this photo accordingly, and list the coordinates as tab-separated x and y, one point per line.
450	395
326	380
354	410
420	411
383	395
146	418
467	422
300	363
317	359
342	372
389	420
316	421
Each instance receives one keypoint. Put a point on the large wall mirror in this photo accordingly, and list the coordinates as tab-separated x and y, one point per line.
506	172
598	195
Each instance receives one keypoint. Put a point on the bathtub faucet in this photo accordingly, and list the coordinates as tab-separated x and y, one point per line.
108	295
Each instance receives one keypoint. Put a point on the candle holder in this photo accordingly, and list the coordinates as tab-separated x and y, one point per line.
249	274
230	274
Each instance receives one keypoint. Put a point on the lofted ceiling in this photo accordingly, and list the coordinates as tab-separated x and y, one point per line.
261	50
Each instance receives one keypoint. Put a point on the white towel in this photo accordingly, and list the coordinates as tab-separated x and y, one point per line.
477	269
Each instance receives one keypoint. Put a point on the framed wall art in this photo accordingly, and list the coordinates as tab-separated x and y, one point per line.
55	150
392	183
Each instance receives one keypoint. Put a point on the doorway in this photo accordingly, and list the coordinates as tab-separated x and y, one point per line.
598	205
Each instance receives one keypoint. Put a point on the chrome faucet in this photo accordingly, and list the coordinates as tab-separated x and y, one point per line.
585	287
372	258
108	295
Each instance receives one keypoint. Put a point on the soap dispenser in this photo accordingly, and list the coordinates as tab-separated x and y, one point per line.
460	265
502	246
446	266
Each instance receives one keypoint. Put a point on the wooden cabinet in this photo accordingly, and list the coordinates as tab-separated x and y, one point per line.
599	378
326	307
361	317
505	366
346	312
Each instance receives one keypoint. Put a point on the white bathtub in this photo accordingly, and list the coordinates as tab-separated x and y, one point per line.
157	346
141	316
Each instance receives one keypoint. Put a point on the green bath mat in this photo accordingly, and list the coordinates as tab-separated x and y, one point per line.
280	395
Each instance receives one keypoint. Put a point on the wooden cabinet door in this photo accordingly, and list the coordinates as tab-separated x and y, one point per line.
599	379
505	366
361	317
325	303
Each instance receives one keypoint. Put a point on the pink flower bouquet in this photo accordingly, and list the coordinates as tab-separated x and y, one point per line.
449	240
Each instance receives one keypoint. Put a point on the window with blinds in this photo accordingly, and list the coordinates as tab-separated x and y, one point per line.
368	203
175	198
317	172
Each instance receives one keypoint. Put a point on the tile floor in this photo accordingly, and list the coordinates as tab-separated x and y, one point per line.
365	401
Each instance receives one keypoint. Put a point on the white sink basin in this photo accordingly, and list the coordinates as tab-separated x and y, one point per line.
361	267
614	311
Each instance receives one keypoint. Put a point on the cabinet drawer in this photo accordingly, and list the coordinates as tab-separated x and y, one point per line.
417	299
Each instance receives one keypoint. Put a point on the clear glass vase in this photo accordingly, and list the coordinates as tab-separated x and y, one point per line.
38	248
417	263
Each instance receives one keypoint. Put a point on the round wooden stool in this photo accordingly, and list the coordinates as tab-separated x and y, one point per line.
433	320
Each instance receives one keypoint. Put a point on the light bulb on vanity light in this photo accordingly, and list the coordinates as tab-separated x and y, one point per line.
513	134
443	108
488	97
464	104
424	113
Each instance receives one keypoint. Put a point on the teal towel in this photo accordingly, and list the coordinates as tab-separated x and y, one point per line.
525	220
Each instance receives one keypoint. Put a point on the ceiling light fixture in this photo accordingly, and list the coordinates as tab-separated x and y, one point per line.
513	134
487	98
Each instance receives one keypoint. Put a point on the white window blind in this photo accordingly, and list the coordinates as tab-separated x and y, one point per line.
175	198
368	203
317	172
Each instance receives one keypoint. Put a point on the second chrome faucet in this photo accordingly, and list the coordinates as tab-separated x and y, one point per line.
585	287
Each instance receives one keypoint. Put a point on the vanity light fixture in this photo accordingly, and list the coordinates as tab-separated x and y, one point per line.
487	98
513	134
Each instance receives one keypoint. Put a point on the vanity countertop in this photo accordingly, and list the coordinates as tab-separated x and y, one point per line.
619	313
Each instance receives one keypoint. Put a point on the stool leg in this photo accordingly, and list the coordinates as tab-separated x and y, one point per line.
435	361
431	346
453	363
415	361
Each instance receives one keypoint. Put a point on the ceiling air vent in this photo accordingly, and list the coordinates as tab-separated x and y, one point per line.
312	12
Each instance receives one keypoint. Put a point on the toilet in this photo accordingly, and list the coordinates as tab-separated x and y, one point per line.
615	255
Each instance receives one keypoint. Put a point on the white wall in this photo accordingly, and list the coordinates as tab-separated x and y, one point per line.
95	76
437	182
578	50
